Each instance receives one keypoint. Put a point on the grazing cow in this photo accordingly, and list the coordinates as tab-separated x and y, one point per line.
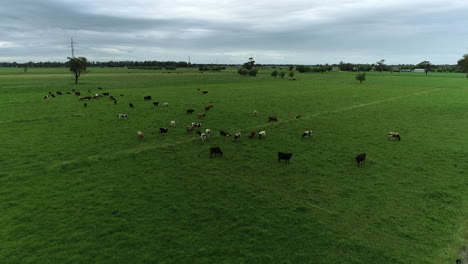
106	94
236	136
85	105
202	135
140	135
68	93
204	92
224	133
112	98
115	101
201	115
190	111
255	112
261	134
296	117
163	130
284	156
252	133
156	103
147	98
196	124
361	158
189	129
216	151
208	131
100	88
208	107
307	133
125	116
272	118
59	93
121	95
77	93
165	104
173	123
131	105
46	97
394	135
53	95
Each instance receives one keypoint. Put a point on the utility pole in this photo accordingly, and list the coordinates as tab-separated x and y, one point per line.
72	49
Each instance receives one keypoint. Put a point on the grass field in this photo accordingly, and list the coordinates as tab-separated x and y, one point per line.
77	186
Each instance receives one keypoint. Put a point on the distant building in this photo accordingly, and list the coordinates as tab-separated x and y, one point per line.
419	70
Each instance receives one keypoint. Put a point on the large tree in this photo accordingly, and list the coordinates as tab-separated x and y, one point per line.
463	63
380	66
426	65
78	66
249	65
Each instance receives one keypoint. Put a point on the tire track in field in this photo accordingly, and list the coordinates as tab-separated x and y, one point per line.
38	118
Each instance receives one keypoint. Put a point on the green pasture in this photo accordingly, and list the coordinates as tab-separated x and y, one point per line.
78	186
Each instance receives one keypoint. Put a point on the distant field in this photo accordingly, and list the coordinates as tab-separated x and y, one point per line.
77	186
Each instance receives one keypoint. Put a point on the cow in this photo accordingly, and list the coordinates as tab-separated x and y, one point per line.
201	115
252	133
296	117
307	133
155	103
46	97
53	95
173	123
255	113
394	135
85	105
261	134
77	93
272	118
124	116
106	94
208	131
89	91
361	158
140	135
131	105
204	92
163	130
284	156
189	129
216	151
208	107
202	135
165	104
224	133
147	98
190	111
236	136
112	98
59	93
115	101
68	93
196	124
100	88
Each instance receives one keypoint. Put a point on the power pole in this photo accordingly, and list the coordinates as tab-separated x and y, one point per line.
72	49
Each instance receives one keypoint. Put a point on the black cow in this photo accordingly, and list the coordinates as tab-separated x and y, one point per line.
115	101
85	105
163	130
361	158
190	111
216	151
284	156
59	93
224	133
272	118
131	105
156	103
147	98
53	95
204	92
100	88
105	93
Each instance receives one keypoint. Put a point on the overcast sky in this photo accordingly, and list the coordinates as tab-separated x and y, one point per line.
231	31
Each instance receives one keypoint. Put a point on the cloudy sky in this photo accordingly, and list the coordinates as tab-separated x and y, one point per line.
231	31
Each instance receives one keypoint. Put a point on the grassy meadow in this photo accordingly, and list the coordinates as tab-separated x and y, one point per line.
78	186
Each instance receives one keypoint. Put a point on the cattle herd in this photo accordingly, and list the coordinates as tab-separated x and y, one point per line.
204	135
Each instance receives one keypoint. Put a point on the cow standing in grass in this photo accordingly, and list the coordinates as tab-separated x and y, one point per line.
361	158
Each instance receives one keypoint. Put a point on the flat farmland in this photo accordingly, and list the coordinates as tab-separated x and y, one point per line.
78	186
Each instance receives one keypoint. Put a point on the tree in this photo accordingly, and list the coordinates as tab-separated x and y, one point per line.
78	66
249	65
274	73
291	74
282	74
426	65
361	77
463	63
380	66
253	72
291	67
